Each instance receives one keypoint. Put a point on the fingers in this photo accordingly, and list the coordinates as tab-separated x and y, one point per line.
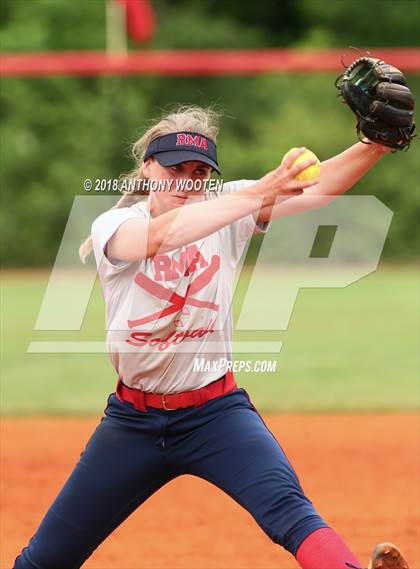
298	168
287	163
309	183
283	179
298	187
295	170
291	192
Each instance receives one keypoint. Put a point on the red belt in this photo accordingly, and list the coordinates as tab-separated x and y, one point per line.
172	401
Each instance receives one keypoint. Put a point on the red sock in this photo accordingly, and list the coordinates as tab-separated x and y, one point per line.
324	549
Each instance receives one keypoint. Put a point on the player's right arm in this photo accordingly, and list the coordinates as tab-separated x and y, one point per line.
136	239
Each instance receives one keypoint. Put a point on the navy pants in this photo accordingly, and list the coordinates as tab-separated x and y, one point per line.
133	453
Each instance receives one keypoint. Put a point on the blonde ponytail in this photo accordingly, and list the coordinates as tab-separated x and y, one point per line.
183	118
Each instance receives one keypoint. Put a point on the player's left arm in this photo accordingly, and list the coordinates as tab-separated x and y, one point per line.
378	95
338	175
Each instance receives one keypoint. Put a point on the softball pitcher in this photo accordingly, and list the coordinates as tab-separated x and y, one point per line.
166	263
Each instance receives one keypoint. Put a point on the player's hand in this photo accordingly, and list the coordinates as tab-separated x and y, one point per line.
282	181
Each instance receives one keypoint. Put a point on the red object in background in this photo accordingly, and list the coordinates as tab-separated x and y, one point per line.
140	19
194	62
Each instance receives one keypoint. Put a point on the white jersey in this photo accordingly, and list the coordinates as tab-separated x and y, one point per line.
166	311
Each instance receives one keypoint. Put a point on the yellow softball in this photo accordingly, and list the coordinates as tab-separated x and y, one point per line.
310	173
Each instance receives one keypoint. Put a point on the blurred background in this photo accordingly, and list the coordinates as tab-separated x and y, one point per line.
80	82
57	130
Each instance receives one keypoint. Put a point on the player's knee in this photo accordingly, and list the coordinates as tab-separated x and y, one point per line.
291	538
302	530
22	562
26	560
289	518
42	553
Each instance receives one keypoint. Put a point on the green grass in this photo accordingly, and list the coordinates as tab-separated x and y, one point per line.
346	349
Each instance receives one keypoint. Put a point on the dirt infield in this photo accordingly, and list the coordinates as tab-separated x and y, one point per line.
361	471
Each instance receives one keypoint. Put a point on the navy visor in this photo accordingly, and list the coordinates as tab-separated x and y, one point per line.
177	147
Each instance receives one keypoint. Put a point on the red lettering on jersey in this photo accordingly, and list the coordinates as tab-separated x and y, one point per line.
139	339
178	267
194	257
163	268
169	268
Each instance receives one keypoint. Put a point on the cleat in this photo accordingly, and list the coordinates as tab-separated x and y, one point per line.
387	556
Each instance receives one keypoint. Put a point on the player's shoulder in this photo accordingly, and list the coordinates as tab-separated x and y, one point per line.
114	216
